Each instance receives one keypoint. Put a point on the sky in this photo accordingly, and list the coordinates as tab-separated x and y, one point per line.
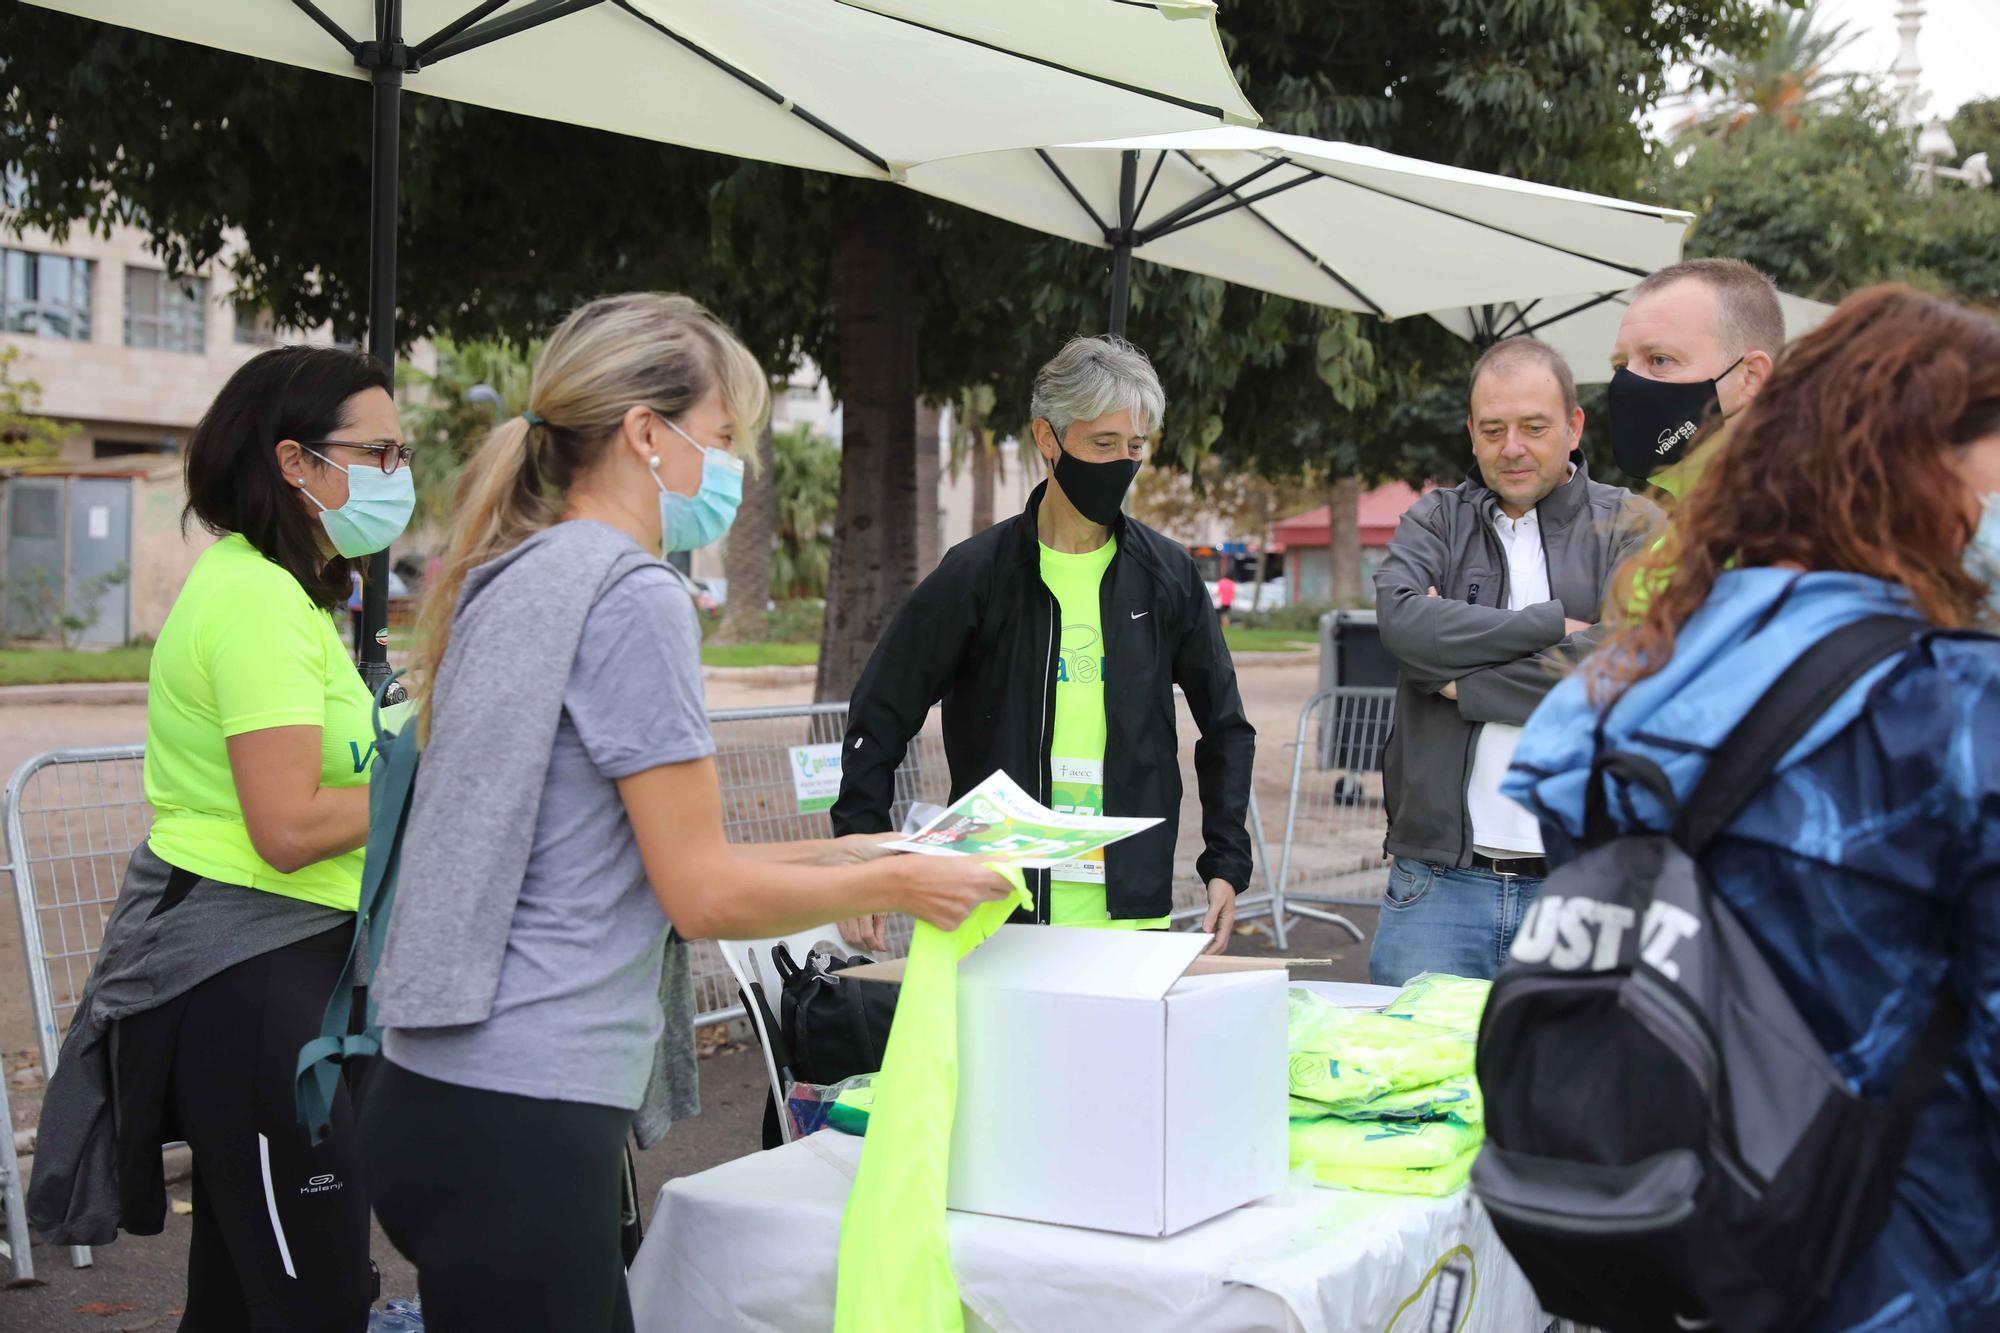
1959	46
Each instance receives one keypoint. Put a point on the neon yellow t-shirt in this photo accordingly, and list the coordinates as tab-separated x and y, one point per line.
1076	753
245	649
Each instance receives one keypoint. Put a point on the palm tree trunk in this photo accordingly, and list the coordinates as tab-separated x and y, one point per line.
746	556
1343	531
874	564
985	462
930	523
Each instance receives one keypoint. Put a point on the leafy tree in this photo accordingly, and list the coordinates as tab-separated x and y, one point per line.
851	273
25	435
1826	208
445	421
1975	128
806	475
1781	79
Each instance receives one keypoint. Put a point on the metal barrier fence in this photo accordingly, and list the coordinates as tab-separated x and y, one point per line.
73	818
1334	818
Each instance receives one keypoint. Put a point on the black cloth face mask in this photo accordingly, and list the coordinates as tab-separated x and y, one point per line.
1652	422
1096	489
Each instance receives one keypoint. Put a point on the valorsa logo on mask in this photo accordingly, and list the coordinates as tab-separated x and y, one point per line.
1654	421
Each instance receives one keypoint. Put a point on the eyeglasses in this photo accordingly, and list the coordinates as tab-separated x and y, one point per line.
388	457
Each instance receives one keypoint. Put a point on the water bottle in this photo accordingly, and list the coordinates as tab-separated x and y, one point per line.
397	1317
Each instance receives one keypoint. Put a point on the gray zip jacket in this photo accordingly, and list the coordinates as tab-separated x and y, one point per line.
1504	661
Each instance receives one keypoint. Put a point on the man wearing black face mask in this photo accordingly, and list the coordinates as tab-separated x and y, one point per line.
1054	641
1695	348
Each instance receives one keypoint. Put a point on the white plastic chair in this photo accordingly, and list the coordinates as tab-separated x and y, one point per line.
750	960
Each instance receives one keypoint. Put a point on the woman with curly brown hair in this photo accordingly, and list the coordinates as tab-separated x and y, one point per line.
1864	480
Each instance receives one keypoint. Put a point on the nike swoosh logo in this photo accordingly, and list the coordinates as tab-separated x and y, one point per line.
1137	614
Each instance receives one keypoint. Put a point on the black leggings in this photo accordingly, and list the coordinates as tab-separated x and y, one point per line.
280	1240
508	1205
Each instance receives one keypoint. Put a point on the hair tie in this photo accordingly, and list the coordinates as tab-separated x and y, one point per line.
534	420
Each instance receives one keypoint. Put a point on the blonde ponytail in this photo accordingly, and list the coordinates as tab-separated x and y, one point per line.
498	505
642	349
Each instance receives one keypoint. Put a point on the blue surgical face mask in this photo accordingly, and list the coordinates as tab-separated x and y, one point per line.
1982	557
378	508
689	522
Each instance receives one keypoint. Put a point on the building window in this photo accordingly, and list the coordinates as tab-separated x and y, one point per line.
45	295
256	326
168	313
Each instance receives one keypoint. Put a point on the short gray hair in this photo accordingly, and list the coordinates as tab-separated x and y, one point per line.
1091	377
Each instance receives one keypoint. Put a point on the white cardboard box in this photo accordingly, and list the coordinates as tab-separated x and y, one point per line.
1114	1080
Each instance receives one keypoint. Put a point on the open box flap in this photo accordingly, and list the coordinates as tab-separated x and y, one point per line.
1072	960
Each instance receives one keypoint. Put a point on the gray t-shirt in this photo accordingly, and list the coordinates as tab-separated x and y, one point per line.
577	1012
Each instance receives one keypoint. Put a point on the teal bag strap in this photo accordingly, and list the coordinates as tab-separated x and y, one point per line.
347	1030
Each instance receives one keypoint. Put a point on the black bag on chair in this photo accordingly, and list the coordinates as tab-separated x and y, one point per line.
826	1029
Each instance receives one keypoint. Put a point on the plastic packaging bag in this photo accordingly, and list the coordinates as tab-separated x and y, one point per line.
1442	1001
843	1106
1426	1158
1346	1057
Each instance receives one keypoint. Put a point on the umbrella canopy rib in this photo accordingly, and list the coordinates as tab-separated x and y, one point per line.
1374	308
333	30
1159	160
522	20
1076	194
1236	202
751	81
1471	222
1201	108
430	44
1174	221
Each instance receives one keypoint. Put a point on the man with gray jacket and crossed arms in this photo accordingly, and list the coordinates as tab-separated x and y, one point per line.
1490	591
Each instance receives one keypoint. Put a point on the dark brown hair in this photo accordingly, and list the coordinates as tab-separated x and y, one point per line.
1752	320
233	480
1842	463
1509	352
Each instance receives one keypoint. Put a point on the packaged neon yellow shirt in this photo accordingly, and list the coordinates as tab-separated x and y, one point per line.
245	649
1076	751
1430	1158
1349	1057
1442	1001
894	1264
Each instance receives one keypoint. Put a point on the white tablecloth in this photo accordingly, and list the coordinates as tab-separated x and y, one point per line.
751	1244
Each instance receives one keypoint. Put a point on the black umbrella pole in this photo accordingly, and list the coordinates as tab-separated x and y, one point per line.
1121	246
1121	287
373	631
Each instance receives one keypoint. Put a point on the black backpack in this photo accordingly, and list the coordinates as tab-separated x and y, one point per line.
1668	1147
826	1029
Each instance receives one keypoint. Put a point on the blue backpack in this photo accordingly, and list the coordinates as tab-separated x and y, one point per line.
348	1030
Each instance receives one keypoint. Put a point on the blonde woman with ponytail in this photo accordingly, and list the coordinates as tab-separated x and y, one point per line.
535	1006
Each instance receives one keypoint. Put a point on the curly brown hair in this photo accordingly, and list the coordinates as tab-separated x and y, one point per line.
1841	463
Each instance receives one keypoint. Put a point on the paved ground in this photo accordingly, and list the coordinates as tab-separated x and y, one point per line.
137	1282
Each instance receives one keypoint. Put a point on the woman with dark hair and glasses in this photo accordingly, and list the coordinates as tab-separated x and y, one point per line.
1864	481
237	911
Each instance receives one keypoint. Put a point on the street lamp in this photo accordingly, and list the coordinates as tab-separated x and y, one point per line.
1935	146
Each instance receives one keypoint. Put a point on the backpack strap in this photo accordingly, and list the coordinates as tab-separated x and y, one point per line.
1780	719
346	1031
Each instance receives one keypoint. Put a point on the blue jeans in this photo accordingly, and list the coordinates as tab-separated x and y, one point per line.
1440	919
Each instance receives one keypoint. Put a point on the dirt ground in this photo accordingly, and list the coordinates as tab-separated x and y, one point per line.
145	1274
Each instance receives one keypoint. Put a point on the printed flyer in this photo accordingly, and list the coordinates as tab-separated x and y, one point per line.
997	821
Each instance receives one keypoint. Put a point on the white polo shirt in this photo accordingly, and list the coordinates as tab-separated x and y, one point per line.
1501	826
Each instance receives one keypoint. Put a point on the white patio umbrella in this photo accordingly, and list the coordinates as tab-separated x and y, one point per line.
1583	328
859	87
1330	223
